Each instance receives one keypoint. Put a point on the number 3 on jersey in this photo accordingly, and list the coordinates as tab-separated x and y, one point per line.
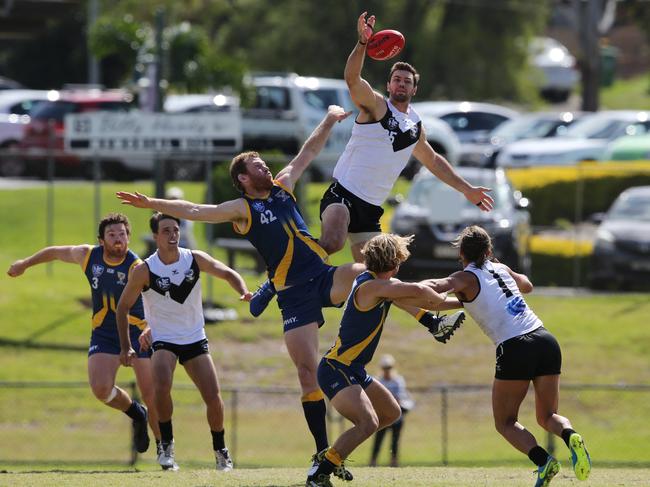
267	216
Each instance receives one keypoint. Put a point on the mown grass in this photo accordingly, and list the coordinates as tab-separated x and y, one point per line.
365	477
627	94
602	336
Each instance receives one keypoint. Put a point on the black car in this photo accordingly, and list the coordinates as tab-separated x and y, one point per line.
435	214
621	256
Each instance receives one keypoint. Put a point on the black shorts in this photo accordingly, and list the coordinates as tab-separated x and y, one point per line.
364	216
183	352
528	356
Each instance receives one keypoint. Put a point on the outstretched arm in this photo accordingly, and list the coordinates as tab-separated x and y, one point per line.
444	171
72	254
362	94
409	294
312	147
138	280
228	211
218	269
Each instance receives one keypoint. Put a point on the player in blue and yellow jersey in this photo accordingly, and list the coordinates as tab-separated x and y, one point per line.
267	215
107	268
342	375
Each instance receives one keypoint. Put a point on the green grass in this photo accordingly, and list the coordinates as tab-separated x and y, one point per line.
294	477
603	340
627	94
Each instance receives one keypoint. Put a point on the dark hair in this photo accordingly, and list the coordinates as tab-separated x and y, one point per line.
113	219
154	221
402	66
475	244
238	166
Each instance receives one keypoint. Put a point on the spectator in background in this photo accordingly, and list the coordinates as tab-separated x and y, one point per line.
396	384
188	241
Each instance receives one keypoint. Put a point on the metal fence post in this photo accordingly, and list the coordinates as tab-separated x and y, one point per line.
444	438
97	181
134	452
49	230
234	403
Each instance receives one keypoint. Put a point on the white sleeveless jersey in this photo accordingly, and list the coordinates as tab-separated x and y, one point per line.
172	303
499	309
376	154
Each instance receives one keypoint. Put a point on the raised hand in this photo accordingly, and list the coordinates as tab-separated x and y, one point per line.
17	268
479	196
365	27
136	199
337	113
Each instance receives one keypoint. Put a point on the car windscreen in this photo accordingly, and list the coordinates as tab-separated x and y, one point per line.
599	128
54	110
444	204
321	98
527	128
631	208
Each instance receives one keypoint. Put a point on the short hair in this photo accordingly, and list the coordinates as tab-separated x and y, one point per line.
238	166
113	219
386	251
402	66
154	221
475	244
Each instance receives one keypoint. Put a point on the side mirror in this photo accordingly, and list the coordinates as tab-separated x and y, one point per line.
395	200
597	218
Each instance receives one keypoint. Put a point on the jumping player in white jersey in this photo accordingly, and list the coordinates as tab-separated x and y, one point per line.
526	351
169	281
386	133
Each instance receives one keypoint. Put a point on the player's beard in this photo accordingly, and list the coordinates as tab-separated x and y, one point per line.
116	253
400	98
262	183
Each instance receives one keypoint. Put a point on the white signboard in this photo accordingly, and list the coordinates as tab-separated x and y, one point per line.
112	133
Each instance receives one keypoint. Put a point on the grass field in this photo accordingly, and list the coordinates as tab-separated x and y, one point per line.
294	477
603	338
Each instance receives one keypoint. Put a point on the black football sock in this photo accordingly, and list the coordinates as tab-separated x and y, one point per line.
314	407
166	432
566	434
538	456
136	411
218	442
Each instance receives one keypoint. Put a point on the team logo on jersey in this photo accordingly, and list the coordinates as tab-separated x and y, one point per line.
392	123
98	270
414	131
121	278
258	206
164	283
516	306
189	275
282	195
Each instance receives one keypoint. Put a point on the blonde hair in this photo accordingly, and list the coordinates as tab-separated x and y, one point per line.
386	251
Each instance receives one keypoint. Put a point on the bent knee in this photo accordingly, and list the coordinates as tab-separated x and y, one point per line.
369	425
103	392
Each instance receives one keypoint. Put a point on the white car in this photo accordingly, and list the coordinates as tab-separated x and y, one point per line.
15	106
586	139
556	65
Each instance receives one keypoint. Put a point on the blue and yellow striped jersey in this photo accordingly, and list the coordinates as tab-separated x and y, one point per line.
106	285
279	233
360	329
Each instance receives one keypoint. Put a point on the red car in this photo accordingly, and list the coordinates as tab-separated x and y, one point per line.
44	133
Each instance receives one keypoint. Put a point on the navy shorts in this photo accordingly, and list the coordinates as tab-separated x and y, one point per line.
333	376
303	303
528	356
183	352
364	216
102	341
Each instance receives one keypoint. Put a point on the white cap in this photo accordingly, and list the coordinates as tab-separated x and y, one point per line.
174	193
387	361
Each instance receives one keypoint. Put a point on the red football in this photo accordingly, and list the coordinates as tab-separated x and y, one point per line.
385	44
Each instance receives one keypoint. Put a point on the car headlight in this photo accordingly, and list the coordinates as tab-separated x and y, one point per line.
605	240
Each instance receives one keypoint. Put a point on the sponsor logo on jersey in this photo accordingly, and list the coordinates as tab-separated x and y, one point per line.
189	275
110	271
164	283
516	306
121	278
392	123
282	195
414	131
98	270
258	206
289	321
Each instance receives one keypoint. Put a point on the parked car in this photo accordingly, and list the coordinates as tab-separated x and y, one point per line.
584	140
621	255
628	148
556	65
435	214
46	129
15	107
201	103
470	121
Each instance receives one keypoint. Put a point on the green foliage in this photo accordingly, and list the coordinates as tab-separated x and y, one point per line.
559	270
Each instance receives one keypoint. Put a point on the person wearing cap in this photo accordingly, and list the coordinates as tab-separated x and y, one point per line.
396	384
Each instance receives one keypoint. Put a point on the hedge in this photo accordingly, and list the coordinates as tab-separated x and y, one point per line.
553	190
